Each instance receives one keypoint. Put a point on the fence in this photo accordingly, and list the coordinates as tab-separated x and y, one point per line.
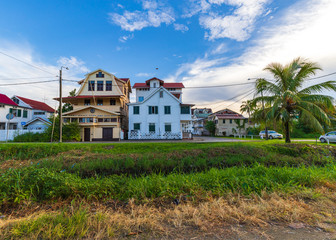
13	133
137	135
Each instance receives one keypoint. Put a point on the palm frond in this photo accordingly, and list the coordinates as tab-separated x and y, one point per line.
328	85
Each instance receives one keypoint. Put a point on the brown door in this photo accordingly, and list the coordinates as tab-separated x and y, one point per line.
87	134
107	134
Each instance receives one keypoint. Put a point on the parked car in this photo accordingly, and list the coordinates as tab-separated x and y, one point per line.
271	134
330	136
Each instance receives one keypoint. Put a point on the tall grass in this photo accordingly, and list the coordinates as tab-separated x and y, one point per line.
31	184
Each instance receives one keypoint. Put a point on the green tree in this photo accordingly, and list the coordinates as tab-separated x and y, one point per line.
211	127
67	107
286	100
247	107
71	131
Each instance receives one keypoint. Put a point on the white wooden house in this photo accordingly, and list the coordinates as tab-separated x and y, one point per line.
158	112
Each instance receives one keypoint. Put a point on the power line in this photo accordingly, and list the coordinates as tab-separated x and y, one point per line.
322	76
244	93
26	83
253	90
41	69
22	78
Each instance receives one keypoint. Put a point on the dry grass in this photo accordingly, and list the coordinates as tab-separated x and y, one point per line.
103	221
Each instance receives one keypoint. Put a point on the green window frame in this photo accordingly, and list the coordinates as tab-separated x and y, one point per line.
136	109
167	110
151	127
136	126
19	113
25	114
185	110
153	109
167	127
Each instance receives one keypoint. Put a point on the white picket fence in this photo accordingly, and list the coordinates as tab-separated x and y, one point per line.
14	133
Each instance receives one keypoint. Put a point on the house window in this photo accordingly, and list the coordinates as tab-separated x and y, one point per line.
230	121
167	127
39	113
153	110
25	114
19	113
136	126
141	99
99	75
223	121
185	110
89	120
2	106
87	102
100	102
82	120
154	85
100	120
100	86
166	109
107	119
108	85
152	127
112	102
91	86
161	94
114	119
136	110
74	119
216	121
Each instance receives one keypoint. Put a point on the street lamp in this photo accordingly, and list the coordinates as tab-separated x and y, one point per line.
263	108
60	108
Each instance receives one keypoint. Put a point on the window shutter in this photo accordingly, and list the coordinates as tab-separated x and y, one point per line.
19	112
11	110
149	110
156	109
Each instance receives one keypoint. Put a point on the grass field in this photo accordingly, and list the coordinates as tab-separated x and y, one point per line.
74	191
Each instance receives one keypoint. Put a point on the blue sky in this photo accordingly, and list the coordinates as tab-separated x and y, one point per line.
204	42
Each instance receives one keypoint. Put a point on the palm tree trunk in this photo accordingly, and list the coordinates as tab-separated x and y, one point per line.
287	132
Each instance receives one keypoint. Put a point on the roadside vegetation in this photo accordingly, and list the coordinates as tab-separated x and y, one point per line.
74	191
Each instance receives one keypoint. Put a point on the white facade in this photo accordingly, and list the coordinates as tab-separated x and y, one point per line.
17	122
158	114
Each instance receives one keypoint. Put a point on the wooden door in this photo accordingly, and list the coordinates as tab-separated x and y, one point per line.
87	134
107	134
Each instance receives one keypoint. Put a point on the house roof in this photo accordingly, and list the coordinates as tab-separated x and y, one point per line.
37	105
165	85
91	106
44	120
87	96
227	114
6	100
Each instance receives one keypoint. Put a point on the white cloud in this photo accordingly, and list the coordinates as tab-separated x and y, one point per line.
13	71
142	74
126	38
180	27
153	15
237	26
221	48
304	30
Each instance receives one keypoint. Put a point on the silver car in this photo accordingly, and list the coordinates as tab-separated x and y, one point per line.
271	134
328	137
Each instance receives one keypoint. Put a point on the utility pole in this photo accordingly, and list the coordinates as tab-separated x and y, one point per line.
61	103
262	97
60	106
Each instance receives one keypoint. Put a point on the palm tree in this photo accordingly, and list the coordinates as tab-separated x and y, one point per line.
286	99
247	107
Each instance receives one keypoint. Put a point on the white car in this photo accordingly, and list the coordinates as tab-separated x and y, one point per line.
330	136
271	134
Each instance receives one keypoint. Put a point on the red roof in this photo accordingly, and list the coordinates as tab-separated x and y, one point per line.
6	100
230	116
165	85
37	105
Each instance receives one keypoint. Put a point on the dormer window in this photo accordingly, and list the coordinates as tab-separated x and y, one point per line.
99	75
154	85
91	86
100	85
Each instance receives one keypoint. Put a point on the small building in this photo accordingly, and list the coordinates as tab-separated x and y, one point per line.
159	112
8	106
229	123
199	118
100	106
34	112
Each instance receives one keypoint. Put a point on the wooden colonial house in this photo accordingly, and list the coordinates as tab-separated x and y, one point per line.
100	106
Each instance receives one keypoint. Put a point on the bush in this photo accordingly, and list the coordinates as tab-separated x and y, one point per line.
31	137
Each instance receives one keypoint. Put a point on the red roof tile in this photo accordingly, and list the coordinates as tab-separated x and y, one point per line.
165	85
230	116
6	100
37	105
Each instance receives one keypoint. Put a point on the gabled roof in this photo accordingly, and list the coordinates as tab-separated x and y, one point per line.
154	78
44	120
165	85
37	104
6	100
227	114
91	106
154	92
